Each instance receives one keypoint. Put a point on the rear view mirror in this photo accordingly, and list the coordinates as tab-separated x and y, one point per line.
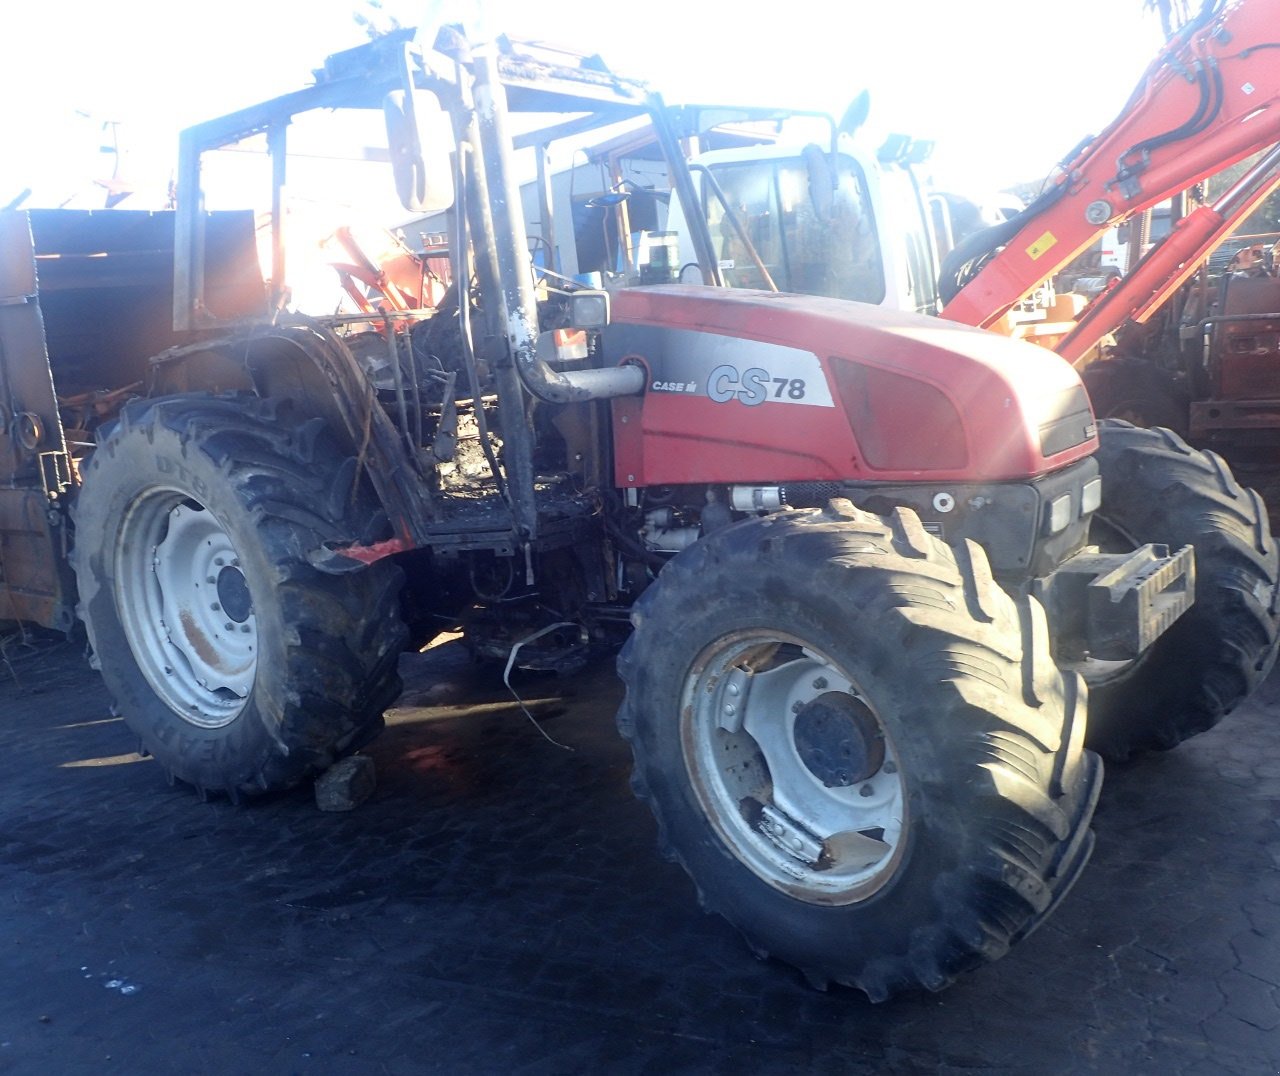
419	138
856	114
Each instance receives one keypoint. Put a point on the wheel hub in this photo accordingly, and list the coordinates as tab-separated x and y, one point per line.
838	740
196	566
186	608
793	767
233	594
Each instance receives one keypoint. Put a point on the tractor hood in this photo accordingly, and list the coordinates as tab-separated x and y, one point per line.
746	386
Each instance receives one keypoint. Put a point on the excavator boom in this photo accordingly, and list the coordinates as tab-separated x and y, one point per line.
1209	99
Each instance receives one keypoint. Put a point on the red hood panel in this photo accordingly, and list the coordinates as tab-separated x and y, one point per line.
755	387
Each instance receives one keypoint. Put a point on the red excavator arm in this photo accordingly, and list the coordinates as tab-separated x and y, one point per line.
1209	99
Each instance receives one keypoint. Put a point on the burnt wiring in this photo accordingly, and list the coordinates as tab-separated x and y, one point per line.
414	382
623	533
397	372
506	677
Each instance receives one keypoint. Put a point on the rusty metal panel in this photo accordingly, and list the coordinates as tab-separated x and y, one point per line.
36	583
17	261
29	421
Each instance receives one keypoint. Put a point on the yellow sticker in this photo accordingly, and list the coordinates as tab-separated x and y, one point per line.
1045	243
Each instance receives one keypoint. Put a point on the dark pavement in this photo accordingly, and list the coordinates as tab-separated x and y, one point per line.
498	906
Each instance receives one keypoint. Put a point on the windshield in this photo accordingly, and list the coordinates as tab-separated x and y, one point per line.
833	252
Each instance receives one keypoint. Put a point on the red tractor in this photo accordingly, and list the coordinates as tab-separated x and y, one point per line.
883	588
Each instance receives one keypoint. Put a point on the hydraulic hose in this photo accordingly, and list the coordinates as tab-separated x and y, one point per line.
964	260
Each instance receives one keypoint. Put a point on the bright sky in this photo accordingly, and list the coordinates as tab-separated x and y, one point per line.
1005	87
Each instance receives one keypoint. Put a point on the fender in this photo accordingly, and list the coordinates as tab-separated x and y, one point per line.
303	360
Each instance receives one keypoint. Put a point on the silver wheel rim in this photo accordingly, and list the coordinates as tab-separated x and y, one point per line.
793	767
185	608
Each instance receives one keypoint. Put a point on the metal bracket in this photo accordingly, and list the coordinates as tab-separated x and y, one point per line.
733	700
55	473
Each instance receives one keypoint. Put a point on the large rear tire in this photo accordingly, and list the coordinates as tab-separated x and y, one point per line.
858	746
1136	391
1156	488
239	666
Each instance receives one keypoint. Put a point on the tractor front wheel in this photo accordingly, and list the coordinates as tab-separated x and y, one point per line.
858	746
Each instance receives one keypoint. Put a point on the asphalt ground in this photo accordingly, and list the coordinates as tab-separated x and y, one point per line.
498	907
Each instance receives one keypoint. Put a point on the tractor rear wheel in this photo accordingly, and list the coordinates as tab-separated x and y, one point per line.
1136	391
858	746
1156	488
239	666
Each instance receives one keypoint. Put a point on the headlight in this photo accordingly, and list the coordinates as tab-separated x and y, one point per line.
1091	497
1060	514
